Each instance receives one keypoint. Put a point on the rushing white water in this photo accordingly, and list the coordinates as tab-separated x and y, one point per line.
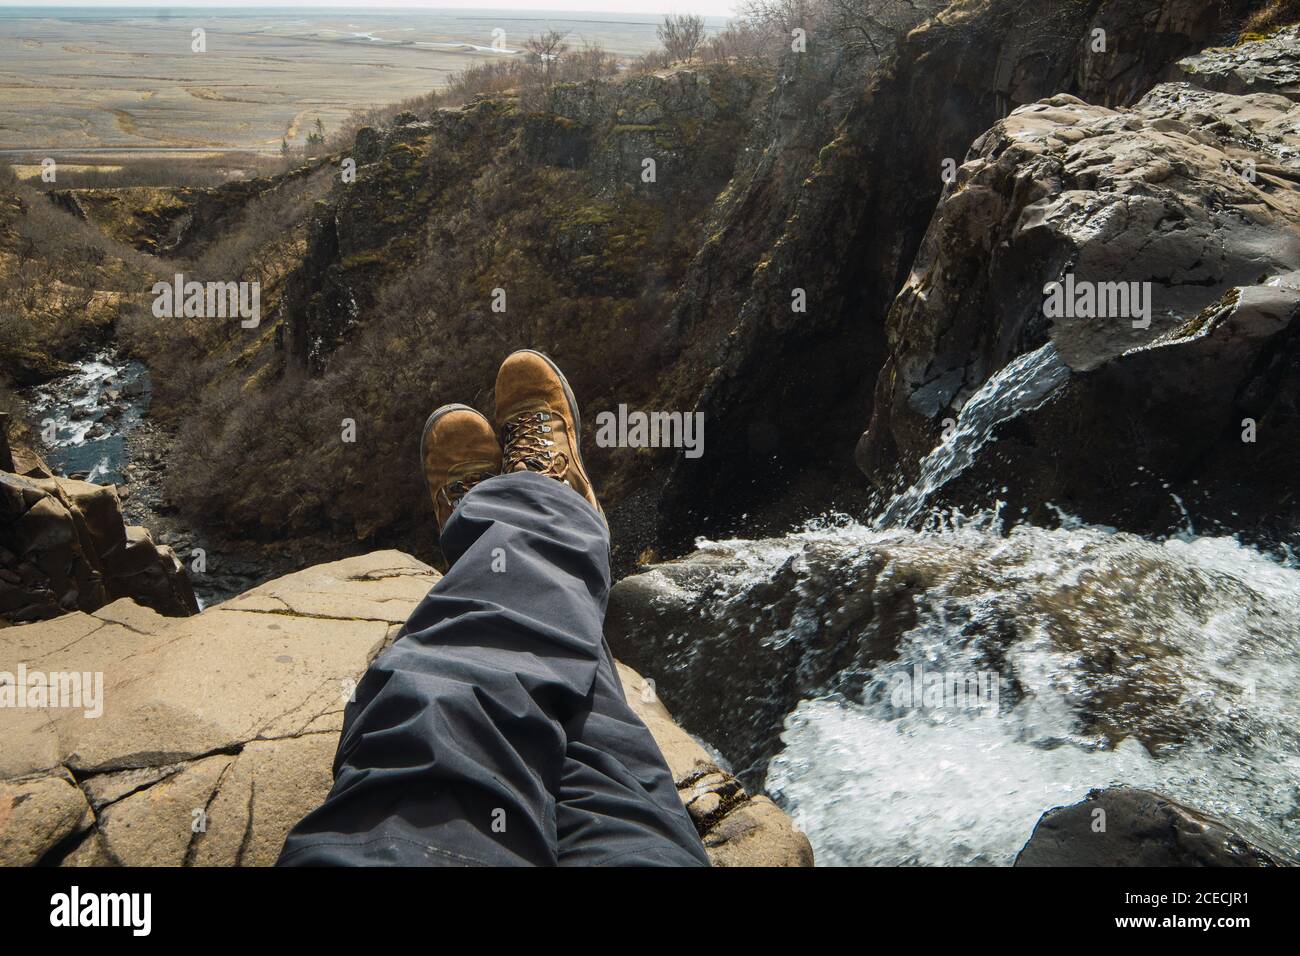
1171	665
85	415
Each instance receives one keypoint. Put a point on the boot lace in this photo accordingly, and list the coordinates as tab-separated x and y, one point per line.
527	445
453	492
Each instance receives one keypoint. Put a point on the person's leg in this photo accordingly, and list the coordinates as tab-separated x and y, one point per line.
617	802
500	699
453	749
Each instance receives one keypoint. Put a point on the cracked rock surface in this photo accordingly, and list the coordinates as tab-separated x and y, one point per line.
218	731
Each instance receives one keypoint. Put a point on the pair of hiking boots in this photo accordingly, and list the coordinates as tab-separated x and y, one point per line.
539	428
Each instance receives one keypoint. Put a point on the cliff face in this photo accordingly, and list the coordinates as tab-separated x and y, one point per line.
63	285
566	226
216	733
1188	412
173	222
786	387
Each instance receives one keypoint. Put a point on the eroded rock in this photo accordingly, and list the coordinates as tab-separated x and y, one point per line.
64	546
1191	196
38	815
1267	64
1123	826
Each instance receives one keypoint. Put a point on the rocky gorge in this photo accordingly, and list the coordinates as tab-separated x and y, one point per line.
924	478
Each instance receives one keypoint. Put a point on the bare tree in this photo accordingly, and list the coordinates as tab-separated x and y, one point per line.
681	35
548	49
870	27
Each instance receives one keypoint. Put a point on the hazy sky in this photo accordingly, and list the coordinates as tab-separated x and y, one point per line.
720	8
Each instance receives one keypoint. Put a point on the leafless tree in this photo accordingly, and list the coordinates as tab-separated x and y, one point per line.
870	27
548	49
681	34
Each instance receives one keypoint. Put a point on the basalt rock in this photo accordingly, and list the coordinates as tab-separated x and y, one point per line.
232	717
1142	417
786	391
1269	64
1123	826
64	547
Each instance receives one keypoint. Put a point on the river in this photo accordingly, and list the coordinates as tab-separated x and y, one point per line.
95	426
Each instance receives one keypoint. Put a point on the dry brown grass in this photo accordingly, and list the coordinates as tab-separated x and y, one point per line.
1272	16
63	284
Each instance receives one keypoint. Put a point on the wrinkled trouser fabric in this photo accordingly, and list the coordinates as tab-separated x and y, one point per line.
495	730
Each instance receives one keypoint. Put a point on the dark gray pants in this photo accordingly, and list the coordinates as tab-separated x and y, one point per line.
495	730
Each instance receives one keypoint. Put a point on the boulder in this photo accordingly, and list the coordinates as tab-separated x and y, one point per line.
64	547
1124	826
1267	64
1145	422
218	731
737	636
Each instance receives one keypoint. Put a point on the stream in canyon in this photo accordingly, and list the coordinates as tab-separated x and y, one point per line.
95	426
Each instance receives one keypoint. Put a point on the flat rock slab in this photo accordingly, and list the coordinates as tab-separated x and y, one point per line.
202	740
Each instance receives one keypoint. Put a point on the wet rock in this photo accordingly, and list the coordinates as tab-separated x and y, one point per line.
735	643
1102	656
134	388
1191	198
1122	826
72	550
222	728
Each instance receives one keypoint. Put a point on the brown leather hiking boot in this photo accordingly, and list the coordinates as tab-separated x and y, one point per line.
539	422
459	449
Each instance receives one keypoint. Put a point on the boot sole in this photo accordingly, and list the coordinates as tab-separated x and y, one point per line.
577	418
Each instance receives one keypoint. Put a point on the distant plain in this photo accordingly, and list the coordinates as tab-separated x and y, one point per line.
78	80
